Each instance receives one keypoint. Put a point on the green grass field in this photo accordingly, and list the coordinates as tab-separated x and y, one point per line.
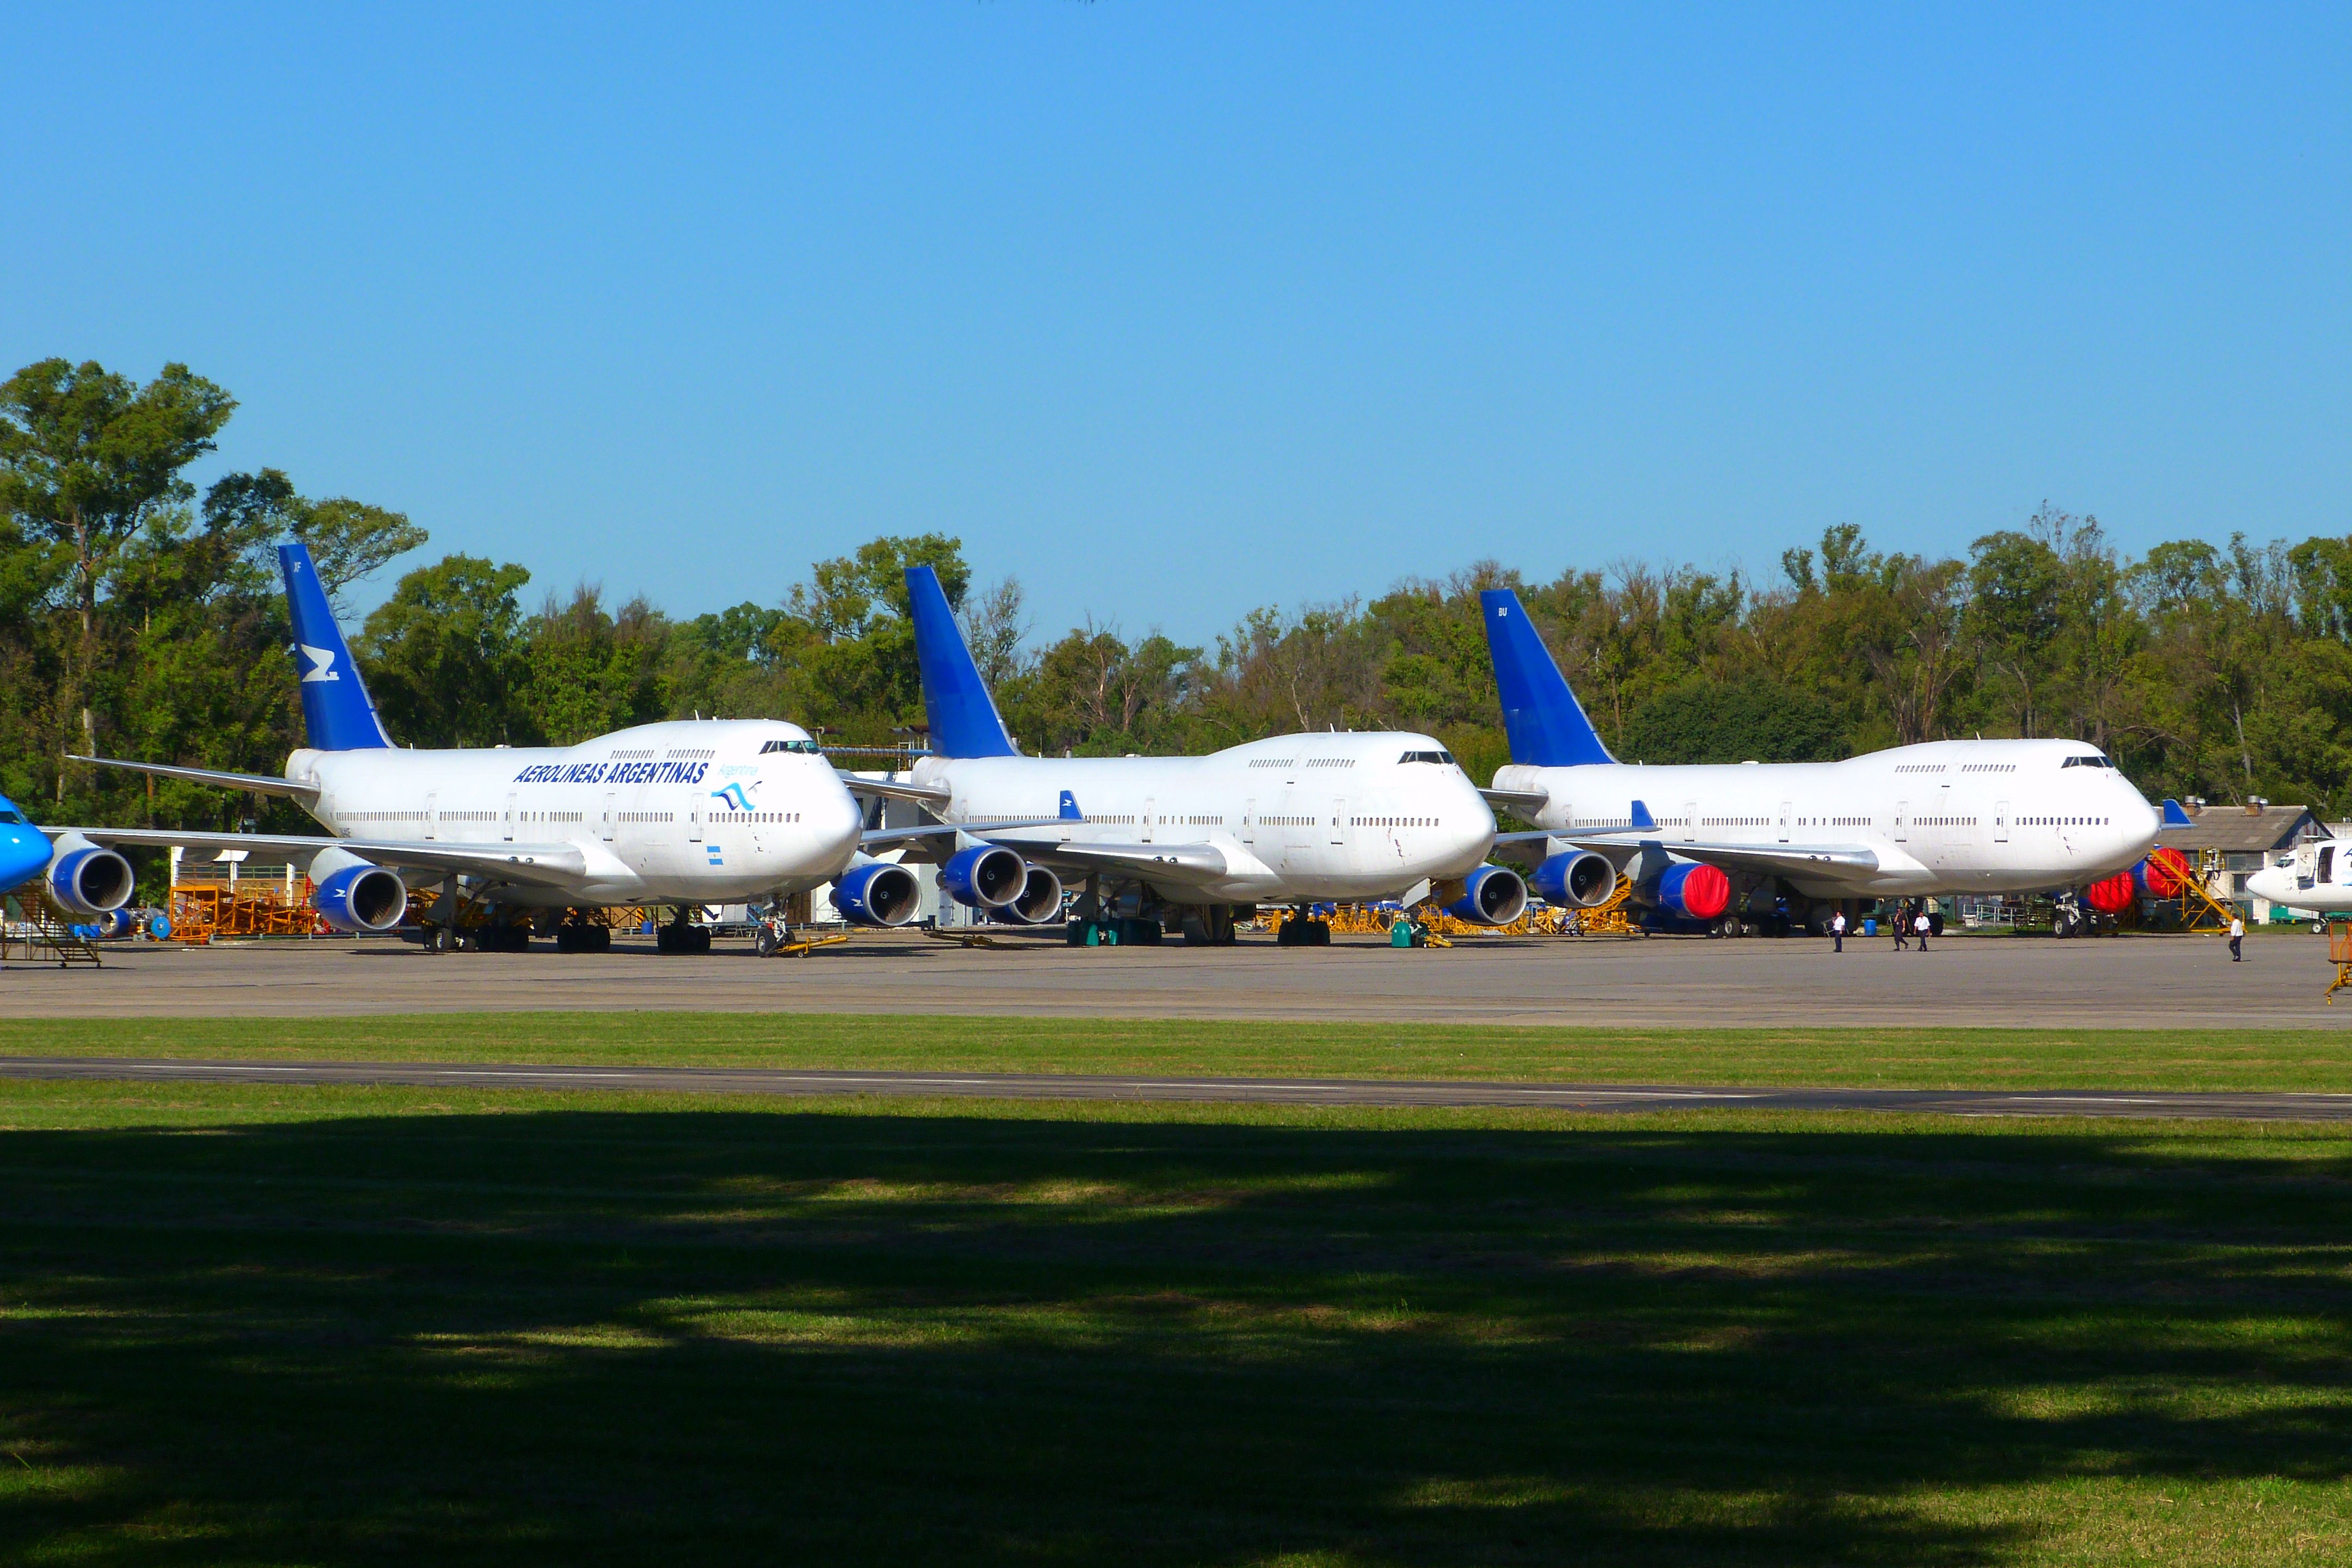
340	1326
1915	1059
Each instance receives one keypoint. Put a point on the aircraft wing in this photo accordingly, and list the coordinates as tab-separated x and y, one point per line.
1778	859
259	784
553	865
921	795
889	835
1172	862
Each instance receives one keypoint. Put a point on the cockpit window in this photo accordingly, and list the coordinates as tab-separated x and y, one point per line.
11	818
809	747
1445	757
2089	762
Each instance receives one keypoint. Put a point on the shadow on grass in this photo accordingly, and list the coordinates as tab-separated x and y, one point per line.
578	1336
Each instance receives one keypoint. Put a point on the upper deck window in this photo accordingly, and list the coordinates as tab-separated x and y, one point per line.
2090	762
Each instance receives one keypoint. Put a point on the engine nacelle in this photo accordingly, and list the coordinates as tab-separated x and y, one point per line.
2165	874
984	876
1040	902
878	893
1489	896
1579	878
1691	893
361	899
115	924
87	880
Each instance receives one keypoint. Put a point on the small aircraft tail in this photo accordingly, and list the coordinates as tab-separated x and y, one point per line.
1540	714
336	712
964	721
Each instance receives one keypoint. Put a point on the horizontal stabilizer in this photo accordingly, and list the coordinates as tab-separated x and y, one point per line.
921	795
259	784
1523	803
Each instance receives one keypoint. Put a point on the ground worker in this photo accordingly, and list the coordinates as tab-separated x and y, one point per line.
1837	931
2237	935
1902	930
1922	925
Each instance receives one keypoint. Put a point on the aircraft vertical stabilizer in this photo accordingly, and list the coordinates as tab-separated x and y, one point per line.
964	721
1546	727
336	711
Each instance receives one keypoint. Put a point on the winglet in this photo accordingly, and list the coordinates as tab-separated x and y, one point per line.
1641	817
1070	811
1540	715
337	715
964	722
2174	817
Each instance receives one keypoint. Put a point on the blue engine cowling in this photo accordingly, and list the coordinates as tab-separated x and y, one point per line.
878	893
116	924
1579	877
89	880
361	899
1040	902
985	876
1489	896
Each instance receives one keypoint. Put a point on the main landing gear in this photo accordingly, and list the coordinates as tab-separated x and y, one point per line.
1302	929
679	936
578	934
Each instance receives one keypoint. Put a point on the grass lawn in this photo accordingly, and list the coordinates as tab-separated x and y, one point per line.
278	1325
2236	1059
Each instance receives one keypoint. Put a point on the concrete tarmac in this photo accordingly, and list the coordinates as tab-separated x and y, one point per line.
2131	982
1605	1098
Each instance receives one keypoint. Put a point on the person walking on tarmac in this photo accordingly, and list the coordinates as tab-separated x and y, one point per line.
2237	935
1837	931
1902	924
1923	926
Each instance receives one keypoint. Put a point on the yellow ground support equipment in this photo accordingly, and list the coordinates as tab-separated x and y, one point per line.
2340	953
35	931
211	899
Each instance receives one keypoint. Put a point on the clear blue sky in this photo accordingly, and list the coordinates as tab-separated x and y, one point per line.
1175	310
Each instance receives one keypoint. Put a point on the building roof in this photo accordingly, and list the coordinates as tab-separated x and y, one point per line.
2240	828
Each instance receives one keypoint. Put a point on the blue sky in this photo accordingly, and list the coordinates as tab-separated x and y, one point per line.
1174	311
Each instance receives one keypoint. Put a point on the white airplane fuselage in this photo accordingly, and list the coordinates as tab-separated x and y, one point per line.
1303	818
2313	877
692	810
1946	817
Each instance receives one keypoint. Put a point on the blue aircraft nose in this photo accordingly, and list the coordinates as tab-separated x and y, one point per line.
23	849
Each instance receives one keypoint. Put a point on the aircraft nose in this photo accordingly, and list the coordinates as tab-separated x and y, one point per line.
23	851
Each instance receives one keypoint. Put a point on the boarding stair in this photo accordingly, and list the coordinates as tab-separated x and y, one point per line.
34	930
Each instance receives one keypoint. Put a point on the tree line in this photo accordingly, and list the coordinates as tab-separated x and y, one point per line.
141	618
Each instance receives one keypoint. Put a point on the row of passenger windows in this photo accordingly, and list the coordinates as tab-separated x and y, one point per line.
718	817
2062	822
1393	821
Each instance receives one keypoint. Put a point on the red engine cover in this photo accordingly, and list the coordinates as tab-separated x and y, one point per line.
2165	873
2111	897
1706	892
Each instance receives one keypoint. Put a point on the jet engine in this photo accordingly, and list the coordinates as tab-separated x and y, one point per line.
355	896
985	876
1039	903
2165	874
877	893
87	880
1489	896
1579	878
1691	893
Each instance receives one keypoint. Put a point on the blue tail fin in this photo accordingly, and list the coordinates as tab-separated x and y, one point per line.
2174	817
336	711
963	718
1539	712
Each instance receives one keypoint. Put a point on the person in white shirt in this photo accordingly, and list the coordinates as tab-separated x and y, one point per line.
1920	925
1837	931
2237	935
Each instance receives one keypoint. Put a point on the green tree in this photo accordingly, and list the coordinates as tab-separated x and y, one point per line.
87	459
445	656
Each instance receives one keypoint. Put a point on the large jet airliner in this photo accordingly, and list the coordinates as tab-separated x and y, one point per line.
1299	819
1710	844
683	813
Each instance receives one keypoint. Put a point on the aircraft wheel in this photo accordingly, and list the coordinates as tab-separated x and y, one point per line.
765	944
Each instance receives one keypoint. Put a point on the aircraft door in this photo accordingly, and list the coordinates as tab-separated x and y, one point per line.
2000	822
507	822
694	818
1902	820
1785	810
605	828
1150	806
433	817
1249	818
1339	819
2327	863
1690	822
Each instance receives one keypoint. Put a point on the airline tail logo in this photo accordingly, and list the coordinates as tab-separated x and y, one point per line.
322	663
734	796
